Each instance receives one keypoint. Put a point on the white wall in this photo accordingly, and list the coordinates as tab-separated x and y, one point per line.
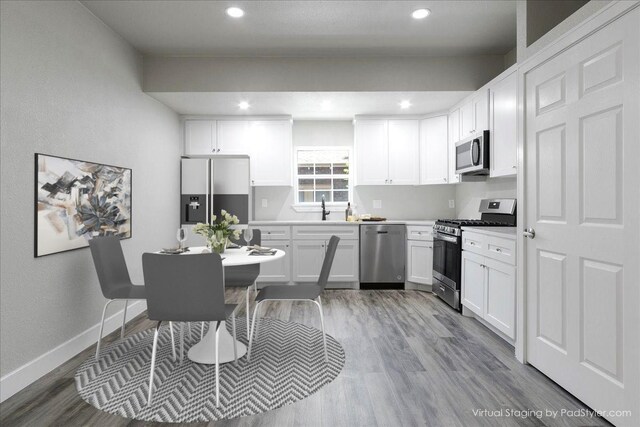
398	202
469	194
71	87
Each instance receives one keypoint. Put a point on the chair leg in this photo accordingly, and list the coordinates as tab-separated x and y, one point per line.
182	341
124	318
201	330
173	341
217	365
190	331
247	313
153	362
251	338
235	342
324	338
104	312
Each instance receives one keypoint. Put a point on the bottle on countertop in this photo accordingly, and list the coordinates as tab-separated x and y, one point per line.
348	213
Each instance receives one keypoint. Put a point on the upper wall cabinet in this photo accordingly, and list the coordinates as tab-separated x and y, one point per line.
232	137
271	152
387	152
454	136
503	98
474	114
199	137
434	151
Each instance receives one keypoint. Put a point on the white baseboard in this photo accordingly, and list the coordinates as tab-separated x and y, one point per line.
28	373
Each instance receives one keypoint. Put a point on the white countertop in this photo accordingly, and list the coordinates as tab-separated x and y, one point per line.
505	232
427	222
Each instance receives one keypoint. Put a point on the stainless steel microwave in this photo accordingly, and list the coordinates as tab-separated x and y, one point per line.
472	155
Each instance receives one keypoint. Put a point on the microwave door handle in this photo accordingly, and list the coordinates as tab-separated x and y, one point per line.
475	143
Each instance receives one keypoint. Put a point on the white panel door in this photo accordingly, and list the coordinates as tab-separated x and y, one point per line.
500	296
434	150
279	270
271	152
404	152
466	119
346	263
473	278
420	262
199	137
454	136
582	199
233	137
480	111
307	260
371	152
504	126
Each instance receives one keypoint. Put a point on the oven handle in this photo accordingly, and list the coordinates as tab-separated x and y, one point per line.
450	239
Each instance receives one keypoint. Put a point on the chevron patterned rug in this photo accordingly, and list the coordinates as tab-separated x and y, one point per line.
287	365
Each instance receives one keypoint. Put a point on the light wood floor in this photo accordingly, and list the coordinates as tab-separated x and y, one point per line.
410	360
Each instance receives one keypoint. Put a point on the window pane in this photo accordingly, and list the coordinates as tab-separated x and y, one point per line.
323	184
305	196
305	184
305	169
340	169
340	196
327	196
341	184
323	169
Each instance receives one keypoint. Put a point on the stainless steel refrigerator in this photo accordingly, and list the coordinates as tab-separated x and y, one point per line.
209	185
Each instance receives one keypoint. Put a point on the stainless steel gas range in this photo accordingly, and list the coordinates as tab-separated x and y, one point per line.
447	245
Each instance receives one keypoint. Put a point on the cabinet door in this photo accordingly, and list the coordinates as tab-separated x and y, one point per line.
420	262
454	136
404	152
480	111
232	137
473	278
346	263
500	294
504	126
371	144
271	152
307	260
466	119
199	137
434	147
279	270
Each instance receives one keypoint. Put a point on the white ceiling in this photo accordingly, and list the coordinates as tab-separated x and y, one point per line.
308	105
312	28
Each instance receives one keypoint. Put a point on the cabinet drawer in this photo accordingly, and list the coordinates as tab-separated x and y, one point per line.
420	232
275	232
474	242
324	232
501	249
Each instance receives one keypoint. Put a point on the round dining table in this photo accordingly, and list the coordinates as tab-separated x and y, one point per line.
204	351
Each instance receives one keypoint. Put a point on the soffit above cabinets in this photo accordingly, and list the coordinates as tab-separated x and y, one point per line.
312	28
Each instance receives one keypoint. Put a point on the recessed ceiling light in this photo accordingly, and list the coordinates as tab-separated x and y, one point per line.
236	12
405	104
244	105
421	13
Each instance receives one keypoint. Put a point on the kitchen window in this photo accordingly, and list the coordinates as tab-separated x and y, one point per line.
322	171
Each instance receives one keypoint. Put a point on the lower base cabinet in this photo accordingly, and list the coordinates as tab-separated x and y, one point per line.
308	256
279	270
420	262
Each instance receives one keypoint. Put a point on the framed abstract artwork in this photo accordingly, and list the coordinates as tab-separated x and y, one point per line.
76	200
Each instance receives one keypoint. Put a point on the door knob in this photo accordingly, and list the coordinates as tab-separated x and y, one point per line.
530	233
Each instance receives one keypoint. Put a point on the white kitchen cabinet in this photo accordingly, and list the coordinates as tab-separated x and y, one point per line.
199	137
500	298
307	260
474	114
387	152
280	270
466	119
271	152
346	263
420	262
403	152
503	104
434	147
232	137
454	136
473	282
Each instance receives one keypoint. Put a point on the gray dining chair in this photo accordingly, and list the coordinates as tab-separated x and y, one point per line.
244	276
114	279
186	288
298	292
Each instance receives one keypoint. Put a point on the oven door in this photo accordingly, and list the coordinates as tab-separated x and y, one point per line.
447	254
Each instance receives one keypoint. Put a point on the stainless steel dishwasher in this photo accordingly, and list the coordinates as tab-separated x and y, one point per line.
382	253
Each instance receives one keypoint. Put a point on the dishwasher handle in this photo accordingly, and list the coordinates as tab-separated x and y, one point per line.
382	232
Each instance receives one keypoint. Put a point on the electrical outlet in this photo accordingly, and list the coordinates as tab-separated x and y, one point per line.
452	204
377	204
265	203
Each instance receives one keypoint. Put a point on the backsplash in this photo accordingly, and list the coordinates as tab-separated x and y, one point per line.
469	194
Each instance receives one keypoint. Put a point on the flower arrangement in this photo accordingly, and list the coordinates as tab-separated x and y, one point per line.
217	233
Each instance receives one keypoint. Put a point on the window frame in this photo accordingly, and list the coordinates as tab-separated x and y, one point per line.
316	206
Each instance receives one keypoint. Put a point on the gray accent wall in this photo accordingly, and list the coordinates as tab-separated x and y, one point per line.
72	87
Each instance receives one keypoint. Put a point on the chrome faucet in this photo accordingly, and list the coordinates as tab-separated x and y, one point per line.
324	211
